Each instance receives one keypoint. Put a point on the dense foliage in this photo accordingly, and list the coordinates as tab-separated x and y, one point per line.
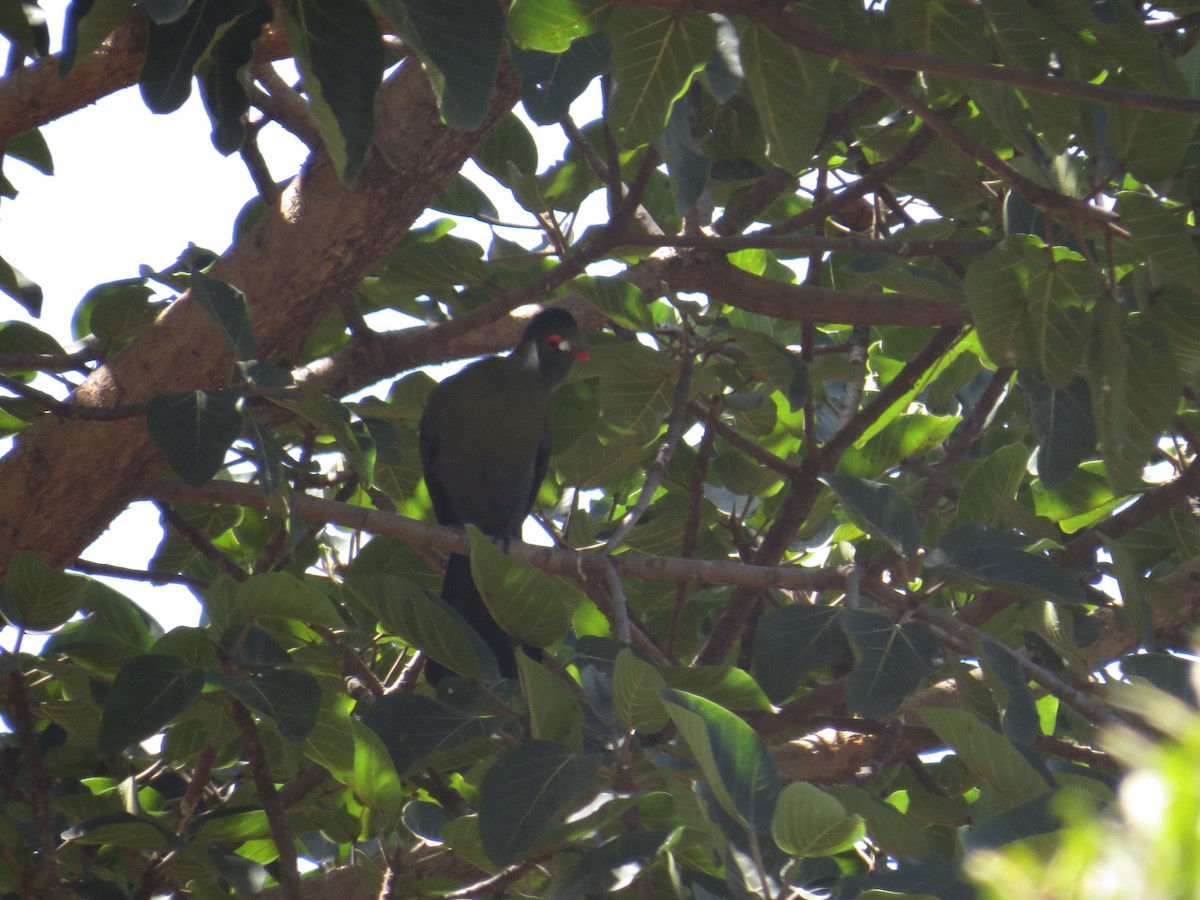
874	492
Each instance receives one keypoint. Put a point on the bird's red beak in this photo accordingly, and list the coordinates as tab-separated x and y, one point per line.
581	355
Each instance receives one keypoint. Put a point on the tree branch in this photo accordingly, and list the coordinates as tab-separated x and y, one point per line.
567	563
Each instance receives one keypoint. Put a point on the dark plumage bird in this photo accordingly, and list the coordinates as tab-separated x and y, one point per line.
485	445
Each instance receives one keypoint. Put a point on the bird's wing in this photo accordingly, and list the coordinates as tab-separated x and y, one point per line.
428	445
541	462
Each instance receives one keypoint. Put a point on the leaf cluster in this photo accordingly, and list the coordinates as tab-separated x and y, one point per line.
891	405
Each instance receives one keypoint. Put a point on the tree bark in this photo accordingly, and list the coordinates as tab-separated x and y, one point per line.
68	478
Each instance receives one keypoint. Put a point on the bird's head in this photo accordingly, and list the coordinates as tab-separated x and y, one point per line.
552	342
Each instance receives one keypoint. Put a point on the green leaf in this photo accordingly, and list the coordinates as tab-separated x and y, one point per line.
270	457
286	596
23	25
879	509
462	197
687	165
896	833
148	692
114	310
508	150
194	430
1064	423
967	347
236	823
1135	611
429	258
340	56
810	822
727	686
792	641
222	85
616	298
636	699
553	25
1166	672
1151	143
996	286
555	712
1000	475
123	829
525	792
604	870
986	753
1155	227
988	555
551	82
37	597
1177	313
1034	816
462	38
31	148
227	307
22	337
1018	711
790	91
892	661
14	283
527	602
374	780
88	23
176	44
654	56
412	727
425	622
289	697
425	819
331	741
333	418
734	759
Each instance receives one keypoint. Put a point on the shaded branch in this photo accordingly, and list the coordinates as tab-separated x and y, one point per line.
806	243
268	796
725	283
567	563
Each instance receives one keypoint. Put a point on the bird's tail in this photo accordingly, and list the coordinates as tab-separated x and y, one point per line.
459	590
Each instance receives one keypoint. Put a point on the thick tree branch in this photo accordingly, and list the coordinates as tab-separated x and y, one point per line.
35	95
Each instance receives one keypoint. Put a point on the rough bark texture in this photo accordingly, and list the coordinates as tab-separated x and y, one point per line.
68	478
35	95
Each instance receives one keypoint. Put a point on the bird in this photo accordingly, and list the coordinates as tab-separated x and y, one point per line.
484	440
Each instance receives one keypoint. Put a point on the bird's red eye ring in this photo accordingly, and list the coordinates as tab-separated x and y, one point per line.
552	341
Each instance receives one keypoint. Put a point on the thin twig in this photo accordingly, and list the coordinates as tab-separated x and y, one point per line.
38	795
676	425
156	578
555	560
205	547
691	525
822	43
289	875
807	243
